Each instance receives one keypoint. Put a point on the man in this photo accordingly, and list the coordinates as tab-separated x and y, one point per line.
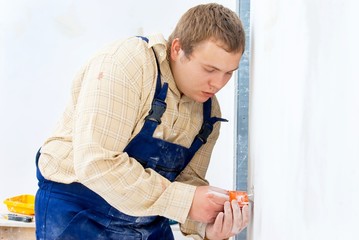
133	145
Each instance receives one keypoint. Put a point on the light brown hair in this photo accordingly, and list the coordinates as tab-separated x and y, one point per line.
209	22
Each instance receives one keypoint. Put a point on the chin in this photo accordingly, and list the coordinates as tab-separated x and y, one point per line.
200	99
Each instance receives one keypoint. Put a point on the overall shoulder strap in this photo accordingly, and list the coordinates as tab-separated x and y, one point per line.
158	103
206	129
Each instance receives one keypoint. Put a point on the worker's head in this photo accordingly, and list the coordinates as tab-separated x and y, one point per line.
205	49
209	21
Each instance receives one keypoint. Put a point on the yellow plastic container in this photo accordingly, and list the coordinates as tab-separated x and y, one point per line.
23	204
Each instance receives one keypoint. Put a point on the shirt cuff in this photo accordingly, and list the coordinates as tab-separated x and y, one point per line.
193	229
180	201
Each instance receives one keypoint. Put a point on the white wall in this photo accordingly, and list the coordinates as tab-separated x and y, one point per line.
43	44
304	115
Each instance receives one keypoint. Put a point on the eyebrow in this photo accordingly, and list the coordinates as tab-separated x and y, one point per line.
220	69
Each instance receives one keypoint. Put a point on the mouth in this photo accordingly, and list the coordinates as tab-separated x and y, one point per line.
208	94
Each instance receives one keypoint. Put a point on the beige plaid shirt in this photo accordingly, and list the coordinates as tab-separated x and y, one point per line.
111	96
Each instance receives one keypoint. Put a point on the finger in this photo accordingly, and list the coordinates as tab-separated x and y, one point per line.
215	205
228	219
217	225
245	215
219	190
237	217
217	197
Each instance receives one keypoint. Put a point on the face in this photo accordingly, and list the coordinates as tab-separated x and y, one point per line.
206	71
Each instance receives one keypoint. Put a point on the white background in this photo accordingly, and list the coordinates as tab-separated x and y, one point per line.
304	101
43	44
304	119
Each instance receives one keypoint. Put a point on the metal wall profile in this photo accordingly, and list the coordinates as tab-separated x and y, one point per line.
241	103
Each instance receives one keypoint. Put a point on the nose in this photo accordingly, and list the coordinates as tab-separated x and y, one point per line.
219	81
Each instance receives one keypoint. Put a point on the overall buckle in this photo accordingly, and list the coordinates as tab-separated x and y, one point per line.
156	111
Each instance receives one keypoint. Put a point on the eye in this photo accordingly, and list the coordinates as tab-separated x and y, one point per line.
229	73
210	70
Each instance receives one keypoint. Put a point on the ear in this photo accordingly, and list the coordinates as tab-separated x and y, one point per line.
175	49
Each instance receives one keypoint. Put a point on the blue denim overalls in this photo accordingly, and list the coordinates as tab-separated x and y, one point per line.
76	212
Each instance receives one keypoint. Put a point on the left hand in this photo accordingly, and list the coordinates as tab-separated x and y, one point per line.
228	223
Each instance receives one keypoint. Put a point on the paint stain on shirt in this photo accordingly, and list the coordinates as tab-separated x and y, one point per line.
100	76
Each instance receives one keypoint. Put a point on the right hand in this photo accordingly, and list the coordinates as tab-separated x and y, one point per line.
228	223
207	202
